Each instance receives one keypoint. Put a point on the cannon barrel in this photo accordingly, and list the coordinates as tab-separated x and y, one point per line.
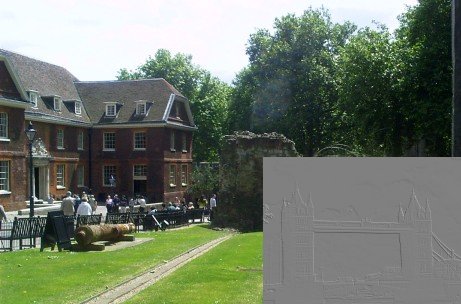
85	235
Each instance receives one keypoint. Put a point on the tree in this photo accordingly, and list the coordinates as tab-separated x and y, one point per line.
373	115
289	86
207	94
425	35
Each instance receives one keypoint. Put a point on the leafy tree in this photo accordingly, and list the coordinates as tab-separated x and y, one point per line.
425	37
289	86
207	94
369	69
204	181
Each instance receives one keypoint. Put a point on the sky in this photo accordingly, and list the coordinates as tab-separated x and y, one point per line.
95	39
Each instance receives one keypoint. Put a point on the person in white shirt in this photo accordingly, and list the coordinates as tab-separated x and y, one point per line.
142	204
212	206
84	208
213	201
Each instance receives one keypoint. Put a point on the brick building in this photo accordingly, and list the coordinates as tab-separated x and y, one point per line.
125	137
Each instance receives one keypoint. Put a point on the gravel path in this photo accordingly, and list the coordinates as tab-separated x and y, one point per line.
129	288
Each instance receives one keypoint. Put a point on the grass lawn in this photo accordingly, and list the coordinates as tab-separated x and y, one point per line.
31	276
229	273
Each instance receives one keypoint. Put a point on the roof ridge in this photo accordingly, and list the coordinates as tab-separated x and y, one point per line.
124	80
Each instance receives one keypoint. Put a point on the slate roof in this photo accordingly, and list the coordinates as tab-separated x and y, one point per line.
52	80
156	92
49	80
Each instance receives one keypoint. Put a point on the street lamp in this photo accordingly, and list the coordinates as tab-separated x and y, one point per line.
30	133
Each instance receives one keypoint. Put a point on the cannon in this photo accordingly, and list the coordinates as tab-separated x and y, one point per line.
85	235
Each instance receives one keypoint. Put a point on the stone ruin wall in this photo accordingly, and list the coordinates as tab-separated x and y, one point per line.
241	166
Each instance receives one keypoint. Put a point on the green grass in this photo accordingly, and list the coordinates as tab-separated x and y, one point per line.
229	273
31	276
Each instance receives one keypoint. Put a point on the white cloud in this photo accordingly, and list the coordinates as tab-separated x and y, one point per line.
94	39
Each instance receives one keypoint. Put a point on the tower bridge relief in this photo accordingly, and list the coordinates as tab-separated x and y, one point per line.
331	258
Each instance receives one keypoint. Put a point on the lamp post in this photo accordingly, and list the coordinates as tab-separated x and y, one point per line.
30	133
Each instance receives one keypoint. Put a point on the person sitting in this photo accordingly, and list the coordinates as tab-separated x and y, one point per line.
171	208
191	206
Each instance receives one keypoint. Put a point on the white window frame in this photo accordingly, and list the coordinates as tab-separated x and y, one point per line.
172	141
105	139
184	175
33	98
57	103
60	176
139	172
80	141
136	143
3	126
60	139
111	109
81	176
5	177
107	171
141	108
78	107
172	175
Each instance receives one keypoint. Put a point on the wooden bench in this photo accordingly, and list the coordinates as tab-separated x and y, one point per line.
23	229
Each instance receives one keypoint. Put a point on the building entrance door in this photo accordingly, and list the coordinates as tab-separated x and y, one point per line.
140	187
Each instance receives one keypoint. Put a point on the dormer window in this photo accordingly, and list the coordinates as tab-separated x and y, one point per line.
57	103
141	108
111	109
33	97
78	107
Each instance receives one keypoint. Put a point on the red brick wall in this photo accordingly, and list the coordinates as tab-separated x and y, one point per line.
156	155
14	151
70	156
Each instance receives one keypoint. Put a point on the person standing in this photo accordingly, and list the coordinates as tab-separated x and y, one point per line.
3	216
84	207
123	204
212	205
142	204
131	203
115	203
109	204
93	203
67	204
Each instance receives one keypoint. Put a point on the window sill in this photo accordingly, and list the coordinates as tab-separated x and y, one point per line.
172	186
80	149
172	150
183	185
60	148
184	151
60	187
5	192
108	150
139	149
5	139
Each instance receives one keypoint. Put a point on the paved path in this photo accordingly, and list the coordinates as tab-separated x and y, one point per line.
131	287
